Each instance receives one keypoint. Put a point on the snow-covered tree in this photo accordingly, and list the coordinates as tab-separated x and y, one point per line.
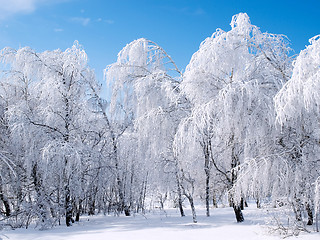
145	89
50	121
231	81
297	106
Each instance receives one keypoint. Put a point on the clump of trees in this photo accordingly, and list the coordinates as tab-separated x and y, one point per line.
241	122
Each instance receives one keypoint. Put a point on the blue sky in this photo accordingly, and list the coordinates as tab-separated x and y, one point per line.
104	27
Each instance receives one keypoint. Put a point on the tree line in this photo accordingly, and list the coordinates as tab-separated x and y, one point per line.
240	122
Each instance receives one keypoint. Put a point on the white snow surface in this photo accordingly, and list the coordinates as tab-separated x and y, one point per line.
164	225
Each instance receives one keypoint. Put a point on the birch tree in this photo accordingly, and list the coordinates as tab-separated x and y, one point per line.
55	123
297	109
232	78
145	87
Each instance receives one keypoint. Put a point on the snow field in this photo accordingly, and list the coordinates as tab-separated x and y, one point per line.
162	225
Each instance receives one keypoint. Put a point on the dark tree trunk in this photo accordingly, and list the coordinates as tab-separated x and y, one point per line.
214	201
317	224
234	175
238	213
230	201
193	209
68	202
77	216
127	211
78	211
242	204
190	198
205	146
258	203
68	208
179	194
120	192
92	205
194	216
207	195
180	203
5	201
6	204
310	214
180	206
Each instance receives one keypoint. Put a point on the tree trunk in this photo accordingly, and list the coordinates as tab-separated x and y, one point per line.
68	207
41	198
5	200
242	204
317	223
207	195
180	202
238	213
162	199
121	205
179	193
6	205
296	205
60	205
193	209
206	152
190	198
230	201
92	205
310	214
214	201
258	203
127	211
142	198
78	212
234	175
180	205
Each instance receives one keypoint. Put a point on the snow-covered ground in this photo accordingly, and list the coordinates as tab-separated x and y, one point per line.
164	225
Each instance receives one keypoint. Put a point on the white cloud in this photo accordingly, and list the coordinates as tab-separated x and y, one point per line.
12	7
58	30
83	21
101	20
17	6
109	21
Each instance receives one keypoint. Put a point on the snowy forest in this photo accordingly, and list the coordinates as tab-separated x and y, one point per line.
240	123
